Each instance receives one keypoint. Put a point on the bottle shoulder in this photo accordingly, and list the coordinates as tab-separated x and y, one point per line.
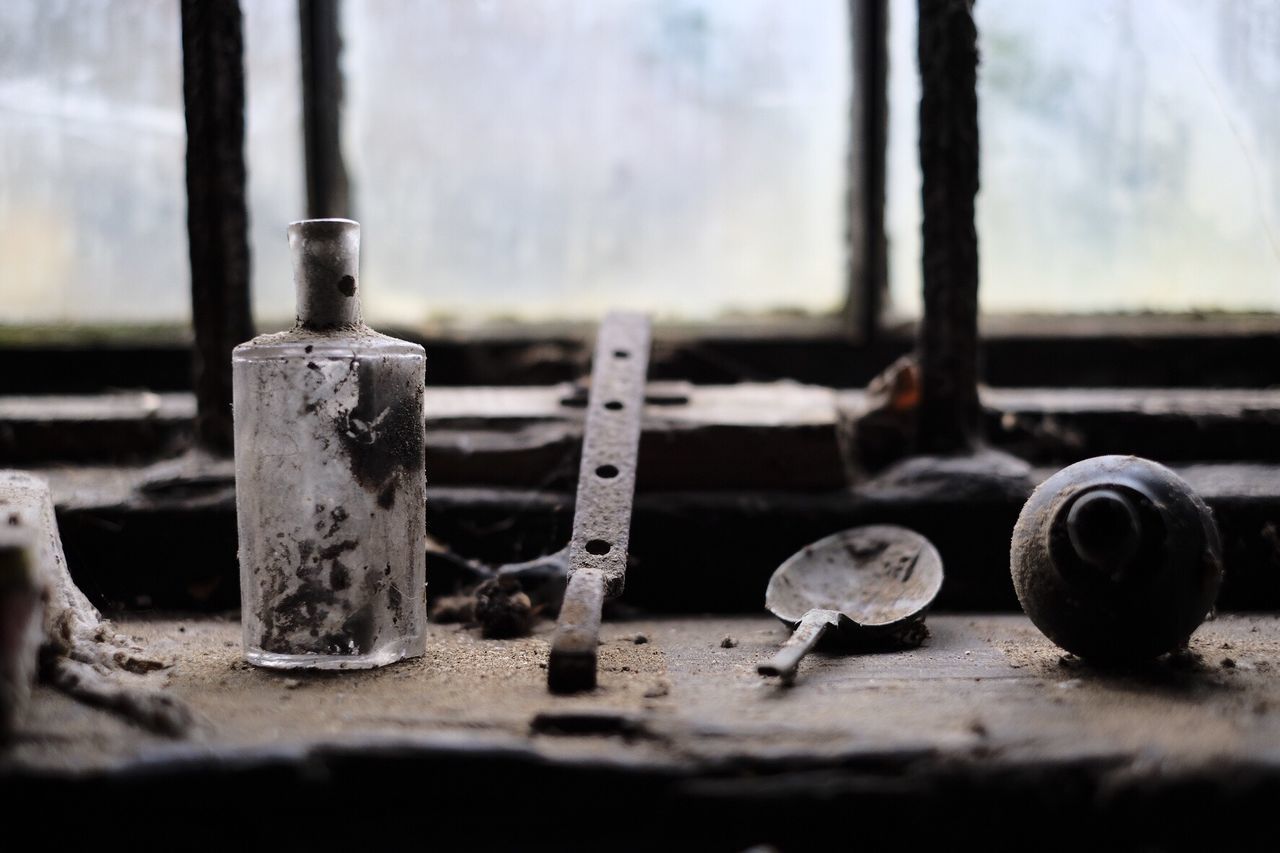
335	343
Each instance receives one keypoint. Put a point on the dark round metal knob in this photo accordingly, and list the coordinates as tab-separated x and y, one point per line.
1104	529
1116	558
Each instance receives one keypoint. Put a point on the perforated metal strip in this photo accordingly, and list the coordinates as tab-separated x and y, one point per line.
606	489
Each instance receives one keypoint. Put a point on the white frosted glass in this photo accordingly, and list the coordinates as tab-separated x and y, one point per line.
92	176
1129	156
273	151
554	158
92	203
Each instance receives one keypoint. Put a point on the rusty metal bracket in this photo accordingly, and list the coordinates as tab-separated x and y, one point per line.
606	488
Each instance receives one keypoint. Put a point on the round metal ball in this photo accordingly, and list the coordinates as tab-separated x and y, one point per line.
1116	558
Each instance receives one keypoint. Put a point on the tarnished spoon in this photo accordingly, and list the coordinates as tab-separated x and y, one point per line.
865	582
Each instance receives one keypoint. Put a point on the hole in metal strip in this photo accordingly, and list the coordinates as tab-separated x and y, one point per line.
666	400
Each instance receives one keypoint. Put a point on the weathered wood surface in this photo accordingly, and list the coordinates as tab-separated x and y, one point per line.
721	545
984	731
752	435
77	651
1056	352
732	480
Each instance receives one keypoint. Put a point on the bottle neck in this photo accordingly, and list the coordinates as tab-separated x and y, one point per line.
326	272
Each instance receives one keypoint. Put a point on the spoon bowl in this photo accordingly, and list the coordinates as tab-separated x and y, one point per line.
864	582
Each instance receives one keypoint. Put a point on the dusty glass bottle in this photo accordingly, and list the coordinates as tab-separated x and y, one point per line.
330	486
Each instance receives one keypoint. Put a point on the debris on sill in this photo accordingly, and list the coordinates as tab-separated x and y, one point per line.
77	651
503	609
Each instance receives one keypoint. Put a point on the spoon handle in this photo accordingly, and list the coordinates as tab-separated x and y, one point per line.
807	634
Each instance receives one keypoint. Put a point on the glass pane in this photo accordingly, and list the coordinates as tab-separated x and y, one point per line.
554	158
273	151
92	141
1129	156
92	204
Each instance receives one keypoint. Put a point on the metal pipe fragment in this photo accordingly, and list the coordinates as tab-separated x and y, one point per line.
217	216
949	414
328	192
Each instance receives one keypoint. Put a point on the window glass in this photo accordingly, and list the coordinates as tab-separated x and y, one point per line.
274	151
1129	156
555	158
92	145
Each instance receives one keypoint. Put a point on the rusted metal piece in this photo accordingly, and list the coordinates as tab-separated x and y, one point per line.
866	583
949	413
1116	559
606	488
217	217
571	667
327	186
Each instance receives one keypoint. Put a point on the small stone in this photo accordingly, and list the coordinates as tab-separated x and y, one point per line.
640	639
657	690
728	642
292	684
1228	663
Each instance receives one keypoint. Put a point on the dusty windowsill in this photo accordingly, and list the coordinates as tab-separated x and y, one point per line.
984	689
982	733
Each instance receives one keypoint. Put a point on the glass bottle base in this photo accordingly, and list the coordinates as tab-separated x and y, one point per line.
388	654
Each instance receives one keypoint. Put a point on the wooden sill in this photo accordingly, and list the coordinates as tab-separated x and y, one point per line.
980	735
1155	351
733	479
691	551
778	435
